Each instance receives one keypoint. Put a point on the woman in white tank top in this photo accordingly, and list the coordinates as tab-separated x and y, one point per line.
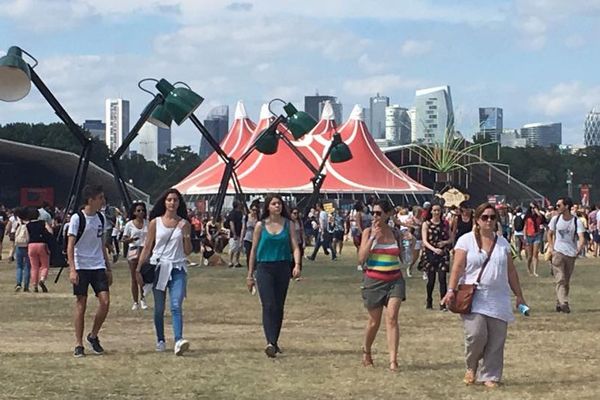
167	245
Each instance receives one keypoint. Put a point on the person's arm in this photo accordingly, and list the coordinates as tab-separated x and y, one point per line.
513	281
551	235
7	227
425	239
108	265
458	270
186	229
365	245
147	251
252	261
358	221
73	276
581	242
232	228
295	252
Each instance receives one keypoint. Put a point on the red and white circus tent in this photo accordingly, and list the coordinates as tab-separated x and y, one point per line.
369	171
207	177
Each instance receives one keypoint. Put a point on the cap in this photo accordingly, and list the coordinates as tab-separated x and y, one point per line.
427	204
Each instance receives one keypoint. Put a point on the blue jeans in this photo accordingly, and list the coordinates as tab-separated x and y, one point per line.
325	242
23	267
177	288
272	280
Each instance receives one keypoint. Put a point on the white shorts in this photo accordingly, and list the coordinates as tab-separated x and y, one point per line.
235	245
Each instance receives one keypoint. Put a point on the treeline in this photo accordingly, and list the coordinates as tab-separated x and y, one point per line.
146	175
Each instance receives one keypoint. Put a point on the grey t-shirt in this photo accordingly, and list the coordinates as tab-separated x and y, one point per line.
566	237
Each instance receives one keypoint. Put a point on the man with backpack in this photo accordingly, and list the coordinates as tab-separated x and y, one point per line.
566	240
518	225
89	264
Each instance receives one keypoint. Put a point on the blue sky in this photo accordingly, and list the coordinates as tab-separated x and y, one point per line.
536	59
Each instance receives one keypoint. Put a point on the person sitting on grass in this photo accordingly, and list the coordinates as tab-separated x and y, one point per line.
211	258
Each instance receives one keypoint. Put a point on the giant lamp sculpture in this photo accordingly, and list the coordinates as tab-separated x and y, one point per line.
16	76
170	103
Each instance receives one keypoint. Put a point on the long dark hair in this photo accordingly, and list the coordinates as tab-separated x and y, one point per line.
134	205
265	211
159	208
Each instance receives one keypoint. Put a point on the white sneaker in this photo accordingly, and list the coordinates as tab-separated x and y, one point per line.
160	347
408	273
359	268
135	306
181	347
424	275
143	304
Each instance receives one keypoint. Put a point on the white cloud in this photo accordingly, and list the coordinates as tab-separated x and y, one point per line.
415	48
379	83
370	66
575	41
565	99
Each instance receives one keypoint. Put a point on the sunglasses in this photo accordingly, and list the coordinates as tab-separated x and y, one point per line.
378	213
486	217
294	212
559	205
140	210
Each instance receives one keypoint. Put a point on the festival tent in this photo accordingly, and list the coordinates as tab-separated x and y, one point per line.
210	172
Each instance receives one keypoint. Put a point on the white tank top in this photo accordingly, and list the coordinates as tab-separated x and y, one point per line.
169	251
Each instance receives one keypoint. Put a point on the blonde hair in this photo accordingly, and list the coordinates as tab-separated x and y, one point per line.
477	214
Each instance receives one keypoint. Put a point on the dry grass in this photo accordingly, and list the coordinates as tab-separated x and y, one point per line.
548	356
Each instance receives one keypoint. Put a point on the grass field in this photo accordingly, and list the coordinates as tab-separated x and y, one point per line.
548	355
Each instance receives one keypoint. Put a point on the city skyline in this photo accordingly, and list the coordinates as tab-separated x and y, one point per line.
522	56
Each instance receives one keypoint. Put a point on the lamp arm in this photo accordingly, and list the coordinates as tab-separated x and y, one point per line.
299	154
244	156
318	181
123	191
58	109
220	199
210	139
156	101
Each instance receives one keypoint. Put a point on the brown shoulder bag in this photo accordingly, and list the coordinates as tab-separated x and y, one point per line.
465	292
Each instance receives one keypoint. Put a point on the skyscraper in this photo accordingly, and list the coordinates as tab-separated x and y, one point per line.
154	141
490	123
397	125
434	114
412	114
377	115
543	135
117	122
217	123
591	128
313	105
337	110
96	128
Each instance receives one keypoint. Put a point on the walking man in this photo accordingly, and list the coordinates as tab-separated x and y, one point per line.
89	264
321	237
565	239
235	222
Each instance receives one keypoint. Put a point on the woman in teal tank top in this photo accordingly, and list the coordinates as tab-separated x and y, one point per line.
273	243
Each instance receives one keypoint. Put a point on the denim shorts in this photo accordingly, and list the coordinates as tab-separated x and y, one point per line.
535	239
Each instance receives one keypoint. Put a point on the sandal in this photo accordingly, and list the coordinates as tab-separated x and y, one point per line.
490	384
367	360
393	366
469	378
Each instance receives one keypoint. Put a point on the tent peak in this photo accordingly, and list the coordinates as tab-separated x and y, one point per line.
264	112
327	113
240	110
357	113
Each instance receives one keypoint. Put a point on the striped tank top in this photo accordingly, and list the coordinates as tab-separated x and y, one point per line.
384	262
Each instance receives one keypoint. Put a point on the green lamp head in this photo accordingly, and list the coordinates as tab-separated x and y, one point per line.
298	122
161	117
180	102
267	142
340	152
15	77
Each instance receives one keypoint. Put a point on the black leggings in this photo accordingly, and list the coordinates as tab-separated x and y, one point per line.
431	273
272	280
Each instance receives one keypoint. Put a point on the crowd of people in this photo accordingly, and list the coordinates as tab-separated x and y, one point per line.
449	245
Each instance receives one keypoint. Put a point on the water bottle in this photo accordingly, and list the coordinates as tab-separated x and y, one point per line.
524	309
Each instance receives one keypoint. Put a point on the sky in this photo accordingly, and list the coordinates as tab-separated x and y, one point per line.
536	59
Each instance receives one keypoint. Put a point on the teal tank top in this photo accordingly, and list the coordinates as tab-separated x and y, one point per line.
274	247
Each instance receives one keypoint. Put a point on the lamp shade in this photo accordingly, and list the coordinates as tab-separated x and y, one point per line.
180	102
299	122
267	142
15	77
161	117
340	152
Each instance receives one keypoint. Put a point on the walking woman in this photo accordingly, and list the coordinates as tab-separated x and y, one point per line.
435	261
249	225
463	223
486	326
273	243
167	245
383	284
533	222
21	252
39	254
134	235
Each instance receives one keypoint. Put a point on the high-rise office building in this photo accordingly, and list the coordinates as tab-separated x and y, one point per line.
377	115
154	142
337	110
397	125
117	122
367	117
412	114
96	128
313	107
434	117
217	123
543	135
591	128
490	123
512	138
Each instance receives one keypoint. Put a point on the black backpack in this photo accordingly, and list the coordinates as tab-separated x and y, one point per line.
519	223
81	227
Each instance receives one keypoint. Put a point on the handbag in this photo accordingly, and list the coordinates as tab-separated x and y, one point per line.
463	298
148	270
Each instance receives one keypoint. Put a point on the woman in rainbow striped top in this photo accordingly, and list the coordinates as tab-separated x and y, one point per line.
383	283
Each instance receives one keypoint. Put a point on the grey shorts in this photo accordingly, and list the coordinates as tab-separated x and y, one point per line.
376	293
